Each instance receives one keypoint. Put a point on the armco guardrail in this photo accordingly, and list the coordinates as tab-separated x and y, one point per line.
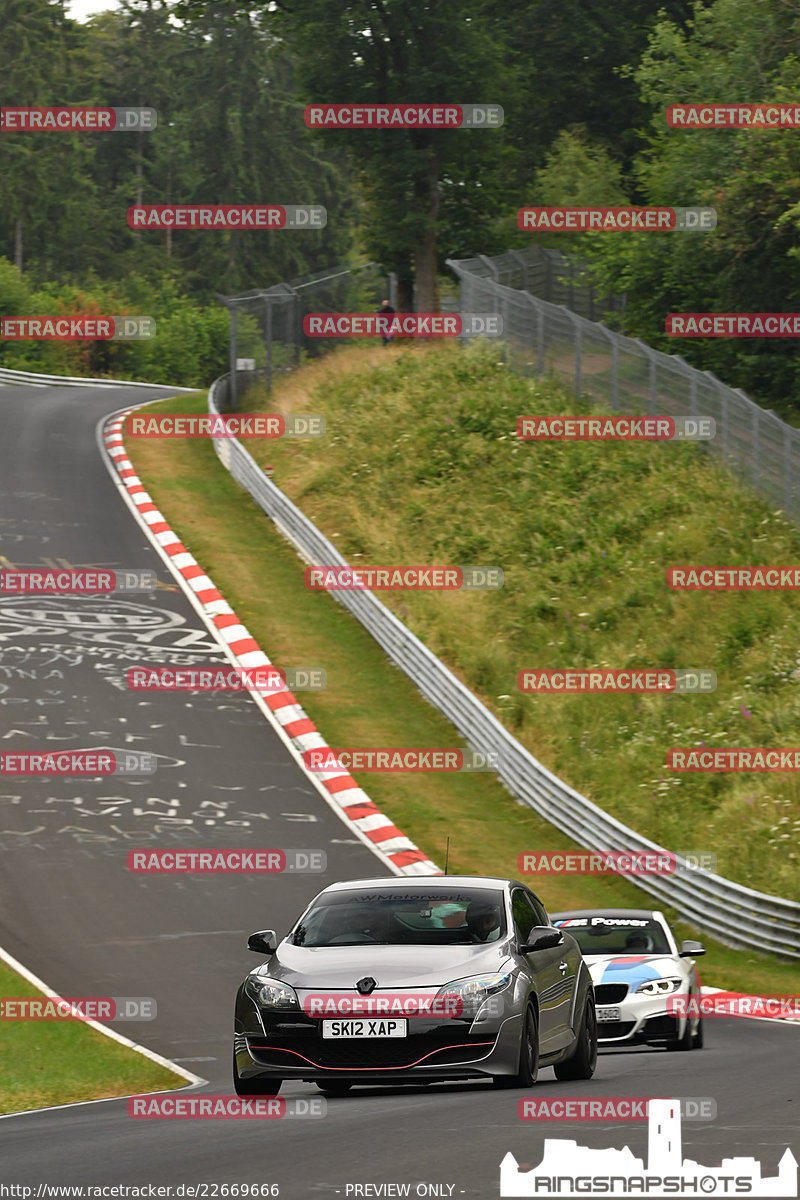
738	916
31	379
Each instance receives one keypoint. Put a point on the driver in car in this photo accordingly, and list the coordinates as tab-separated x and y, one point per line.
483	921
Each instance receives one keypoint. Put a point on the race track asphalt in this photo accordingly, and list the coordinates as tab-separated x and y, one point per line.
72	912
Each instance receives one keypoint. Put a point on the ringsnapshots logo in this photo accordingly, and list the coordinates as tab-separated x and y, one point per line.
267	679
648	680
224	1108
70	120
217	425
733	325
228	216
227	862
609	1108
621	219
569	1169
75	582
76	762
615	429
391	325
733	116
78	1008
386	579
77	329
386	759
404	116
614	862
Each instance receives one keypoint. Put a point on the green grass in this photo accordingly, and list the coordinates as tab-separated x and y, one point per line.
368	701
422	465
63	1061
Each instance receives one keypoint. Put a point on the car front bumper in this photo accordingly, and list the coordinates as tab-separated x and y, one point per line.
293	1048
643	1019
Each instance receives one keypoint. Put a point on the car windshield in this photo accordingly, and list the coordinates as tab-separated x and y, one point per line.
403	917
603	934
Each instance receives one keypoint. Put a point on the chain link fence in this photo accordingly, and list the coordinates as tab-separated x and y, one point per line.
556	334
266	326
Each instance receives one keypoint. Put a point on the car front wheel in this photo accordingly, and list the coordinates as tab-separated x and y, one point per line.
583	1062
528	1057
259	1085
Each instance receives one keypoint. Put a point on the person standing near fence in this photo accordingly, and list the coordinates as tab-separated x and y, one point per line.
386	310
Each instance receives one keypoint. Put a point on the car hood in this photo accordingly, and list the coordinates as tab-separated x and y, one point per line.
634	968
390	966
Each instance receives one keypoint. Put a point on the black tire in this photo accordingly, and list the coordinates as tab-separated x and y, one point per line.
683	1043
697	1044
583	1062
259	1085
335	1087
528	1056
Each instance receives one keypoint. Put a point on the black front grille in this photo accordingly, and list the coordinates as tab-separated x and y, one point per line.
610	993
663	1026
614	1029
437	1046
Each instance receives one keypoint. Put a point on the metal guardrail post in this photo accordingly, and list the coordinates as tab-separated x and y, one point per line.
576	322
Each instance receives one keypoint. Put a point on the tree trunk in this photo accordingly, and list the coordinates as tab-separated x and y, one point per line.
426	189
18	245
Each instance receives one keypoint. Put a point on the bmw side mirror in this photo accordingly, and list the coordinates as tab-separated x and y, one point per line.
691	950
265	942
542	937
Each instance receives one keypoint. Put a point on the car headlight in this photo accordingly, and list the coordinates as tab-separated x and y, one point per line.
271	993
659	987
475	991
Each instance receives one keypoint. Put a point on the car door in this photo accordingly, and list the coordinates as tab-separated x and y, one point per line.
542	966
568	966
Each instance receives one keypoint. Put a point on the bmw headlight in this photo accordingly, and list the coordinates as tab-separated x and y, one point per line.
475	991
659	987
271	993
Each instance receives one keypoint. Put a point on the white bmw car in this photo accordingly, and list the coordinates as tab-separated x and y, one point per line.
635	965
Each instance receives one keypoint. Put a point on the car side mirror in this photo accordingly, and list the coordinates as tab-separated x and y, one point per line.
265	942
542	937
691	950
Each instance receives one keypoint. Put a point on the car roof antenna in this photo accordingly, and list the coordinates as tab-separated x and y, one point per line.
447	856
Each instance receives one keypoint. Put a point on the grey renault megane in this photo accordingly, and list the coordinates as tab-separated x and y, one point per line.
415	980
